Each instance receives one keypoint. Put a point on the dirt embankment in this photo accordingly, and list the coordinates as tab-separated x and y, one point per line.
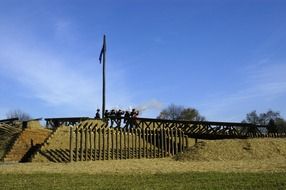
234	150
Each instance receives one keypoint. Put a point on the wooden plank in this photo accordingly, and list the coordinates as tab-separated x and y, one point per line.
94	143
139	143
151	144
135	151
112	144
128	142
81	145
85	143
165	143
175	145
70	146
154	142
143	138
103	144
76	144
169	141
107	143
159	141
172	141
117	143
124	145
162	142
99	143
180	140
147	142
120	145
132	143
90	143
187	141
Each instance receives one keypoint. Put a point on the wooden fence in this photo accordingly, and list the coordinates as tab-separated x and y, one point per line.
104	143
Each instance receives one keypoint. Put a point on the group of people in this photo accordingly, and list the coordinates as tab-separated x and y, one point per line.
116	116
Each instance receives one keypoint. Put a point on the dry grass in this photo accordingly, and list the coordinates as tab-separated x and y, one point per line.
147	166
228	150
253	155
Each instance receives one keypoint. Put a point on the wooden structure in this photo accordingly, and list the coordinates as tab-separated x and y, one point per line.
206	129
88	141
68	121
194	129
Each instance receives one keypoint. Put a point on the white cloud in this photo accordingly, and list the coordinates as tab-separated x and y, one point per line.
264	84
56	82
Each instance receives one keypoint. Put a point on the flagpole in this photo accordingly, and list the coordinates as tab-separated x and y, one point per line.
103	75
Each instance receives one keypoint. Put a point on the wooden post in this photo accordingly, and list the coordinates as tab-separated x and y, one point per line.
139	143
159	141
107	146
99	143
135	144
165	143
132	142
179	134
162	142
128	143
76	144
143	138
175	145
154	142
187	142
169	141
81	144
151	144
172	141
103	144
85	143
71	148
124	145
117	151
120	145
94	143
90	144
112	143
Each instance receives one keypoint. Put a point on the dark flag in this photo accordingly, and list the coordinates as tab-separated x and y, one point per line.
103	49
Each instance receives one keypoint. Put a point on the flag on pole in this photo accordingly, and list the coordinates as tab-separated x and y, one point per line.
103	49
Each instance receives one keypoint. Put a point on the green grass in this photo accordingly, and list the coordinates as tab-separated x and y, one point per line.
191	180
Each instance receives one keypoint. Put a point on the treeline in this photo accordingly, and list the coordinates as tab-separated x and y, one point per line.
274	121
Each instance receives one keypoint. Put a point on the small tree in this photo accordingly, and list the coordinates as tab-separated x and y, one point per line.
22	116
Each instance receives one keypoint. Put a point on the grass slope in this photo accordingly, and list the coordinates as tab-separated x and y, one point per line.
246	149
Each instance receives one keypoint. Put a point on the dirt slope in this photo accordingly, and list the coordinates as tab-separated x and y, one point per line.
227	150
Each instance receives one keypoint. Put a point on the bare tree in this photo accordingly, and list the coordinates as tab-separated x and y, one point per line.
174	112
22	116
273	120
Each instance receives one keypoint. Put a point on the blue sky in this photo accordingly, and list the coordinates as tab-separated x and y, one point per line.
225	58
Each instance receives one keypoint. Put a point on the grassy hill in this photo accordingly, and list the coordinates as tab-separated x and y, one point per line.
227	150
